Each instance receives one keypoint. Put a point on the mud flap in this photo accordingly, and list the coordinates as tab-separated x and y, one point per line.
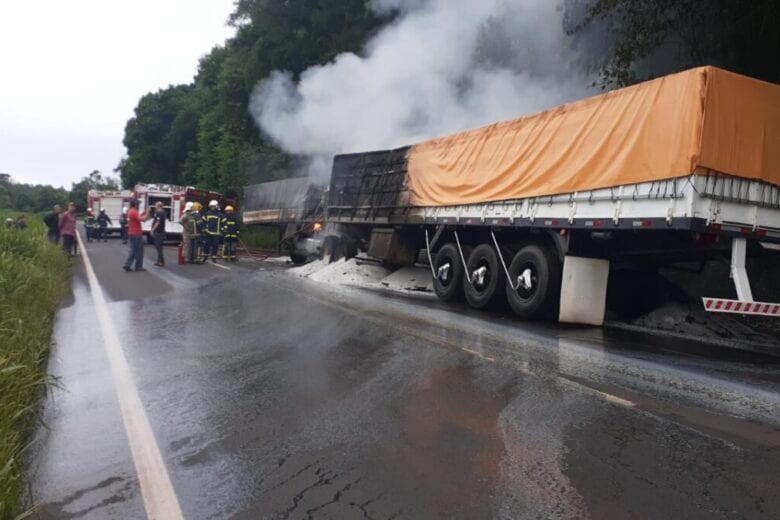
584	290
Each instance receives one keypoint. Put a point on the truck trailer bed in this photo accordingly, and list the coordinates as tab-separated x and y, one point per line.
698	150
706	203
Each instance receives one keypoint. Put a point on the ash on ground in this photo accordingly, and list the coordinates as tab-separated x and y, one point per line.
664	300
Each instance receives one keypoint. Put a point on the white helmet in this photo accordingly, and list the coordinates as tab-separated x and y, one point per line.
188	206
213	204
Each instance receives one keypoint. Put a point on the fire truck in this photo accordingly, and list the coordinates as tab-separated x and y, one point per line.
111	201
173	199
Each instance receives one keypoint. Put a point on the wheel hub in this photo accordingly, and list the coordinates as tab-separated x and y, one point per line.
525	281
478	276
443	273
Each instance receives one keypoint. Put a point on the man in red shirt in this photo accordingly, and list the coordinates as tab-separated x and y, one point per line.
135	236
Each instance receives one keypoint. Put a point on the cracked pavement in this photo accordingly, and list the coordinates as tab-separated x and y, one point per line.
277	397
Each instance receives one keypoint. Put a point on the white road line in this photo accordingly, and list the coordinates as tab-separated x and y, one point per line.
220	266
156	489
618	400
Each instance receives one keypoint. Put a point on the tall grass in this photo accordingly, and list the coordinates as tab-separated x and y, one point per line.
33	280
263	237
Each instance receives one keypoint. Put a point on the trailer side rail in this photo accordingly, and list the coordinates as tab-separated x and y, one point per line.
697	202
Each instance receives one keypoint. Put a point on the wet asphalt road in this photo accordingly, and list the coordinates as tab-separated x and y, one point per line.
277	397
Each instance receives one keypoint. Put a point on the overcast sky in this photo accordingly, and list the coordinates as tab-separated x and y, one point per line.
71	73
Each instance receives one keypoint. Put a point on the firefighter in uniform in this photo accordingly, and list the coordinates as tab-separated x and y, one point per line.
230	233
186	231
195	254
123	225
103	221
212	223
90	225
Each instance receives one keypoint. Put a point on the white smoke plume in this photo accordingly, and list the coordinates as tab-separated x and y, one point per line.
441	66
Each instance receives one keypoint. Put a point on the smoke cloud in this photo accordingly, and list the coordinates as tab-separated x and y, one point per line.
441	66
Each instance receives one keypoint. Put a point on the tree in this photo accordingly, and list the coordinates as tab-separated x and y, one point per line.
29	198
159	137
656	37
79	192
202	134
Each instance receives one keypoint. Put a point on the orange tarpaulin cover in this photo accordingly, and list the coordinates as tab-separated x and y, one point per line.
669	127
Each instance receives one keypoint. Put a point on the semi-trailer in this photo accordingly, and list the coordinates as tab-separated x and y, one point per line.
536	211
295	208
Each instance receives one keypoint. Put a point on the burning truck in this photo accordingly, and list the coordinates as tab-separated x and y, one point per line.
536	212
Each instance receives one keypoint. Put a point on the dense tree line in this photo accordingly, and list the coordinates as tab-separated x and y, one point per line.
202	133
29	198
38	198
649	38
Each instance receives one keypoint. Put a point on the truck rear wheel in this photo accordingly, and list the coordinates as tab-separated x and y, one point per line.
536	271
487	277
297	258
448	282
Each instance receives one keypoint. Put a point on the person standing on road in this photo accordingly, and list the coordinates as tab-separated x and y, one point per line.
89	225
103	220
158	232
68	229
196	238
136	237
230	232
186	230
123	225
52	221
213	221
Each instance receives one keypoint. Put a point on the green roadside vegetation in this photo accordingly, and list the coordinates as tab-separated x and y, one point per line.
40	198
261	237
33	280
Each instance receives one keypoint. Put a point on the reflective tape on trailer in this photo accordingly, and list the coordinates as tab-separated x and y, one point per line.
741	307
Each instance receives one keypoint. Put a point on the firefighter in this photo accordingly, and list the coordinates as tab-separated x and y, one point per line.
89	224
211	228
123	225
196	235
186	230
230	233
103	221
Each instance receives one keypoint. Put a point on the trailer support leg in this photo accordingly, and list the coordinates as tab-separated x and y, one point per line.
738	271
744	304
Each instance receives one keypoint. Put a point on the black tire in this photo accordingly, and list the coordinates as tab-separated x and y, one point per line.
297	258
542	298
333	248
350	247
481	295
449	287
